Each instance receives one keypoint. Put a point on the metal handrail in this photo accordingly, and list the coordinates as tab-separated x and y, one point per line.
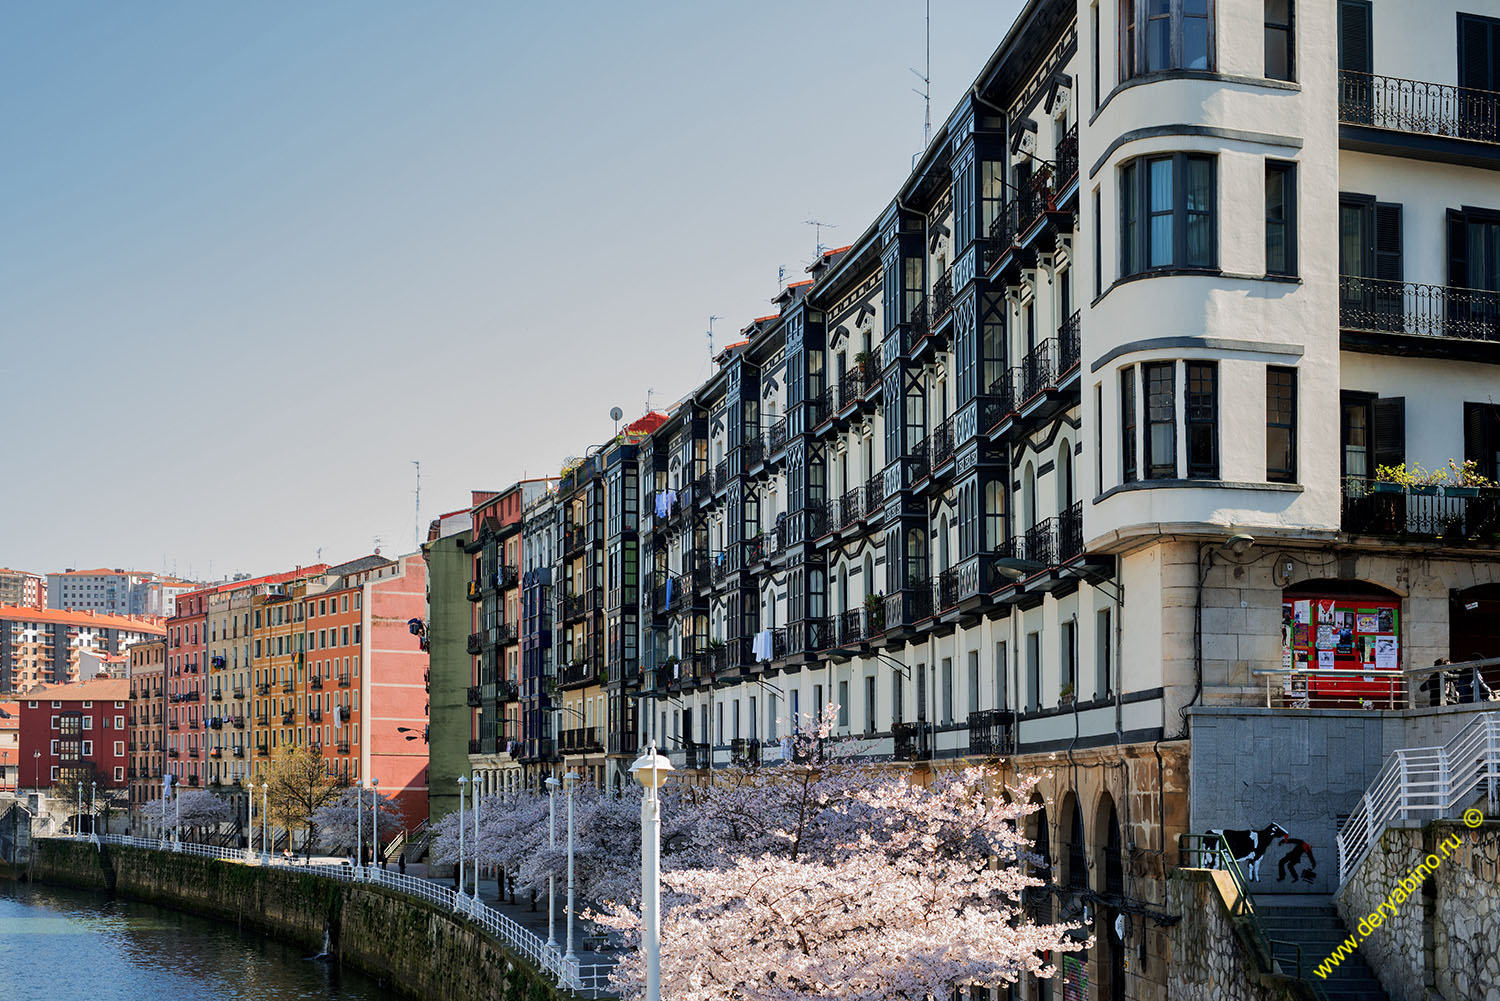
1424	783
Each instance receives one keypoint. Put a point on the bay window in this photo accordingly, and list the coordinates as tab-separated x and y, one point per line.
1167	210
1160	35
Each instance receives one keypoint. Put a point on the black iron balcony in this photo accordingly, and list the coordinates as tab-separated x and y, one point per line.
504	634
947	589
262	751
851	507
1448	515
288	686
754	452
262	689
776	438
342	747
1039	369
216	696
173	752
580	740
238	722
916	324
343	681
507	691
238	750
696	755
744	751
910	742
263	719
475	698
216	663
940	443
171	724
288	718
1069	344
575	537
942	296
856	383
475	644
874	495
577	673
1388	307
507	576
239	693
851	627
990	732
475	591
315	682
1067	157
1070	532
1434	109
215	752
476	746
1039	544
755	549
315	715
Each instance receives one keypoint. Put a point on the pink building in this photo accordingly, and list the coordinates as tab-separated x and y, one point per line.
187	659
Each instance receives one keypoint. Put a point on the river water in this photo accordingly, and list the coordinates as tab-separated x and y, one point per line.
66	945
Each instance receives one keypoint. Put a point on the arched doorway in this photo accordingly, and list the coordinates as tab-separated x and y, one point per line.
1335	625
1107	932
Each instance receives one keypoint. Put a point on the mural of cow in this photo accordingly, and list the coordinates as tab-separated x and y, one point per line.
1249	847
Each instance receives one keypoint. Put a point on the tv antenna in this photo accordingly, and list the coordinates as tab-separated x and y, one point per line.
711	320
780	279
926	92
416	520
818	227
376	543
649	393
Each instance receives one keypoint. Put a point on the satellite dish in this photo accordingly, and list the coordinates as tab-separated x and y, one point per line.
615	413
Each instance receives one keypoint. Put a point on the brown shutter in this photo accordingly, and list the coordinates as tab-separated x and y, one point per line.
1389	432
1354	36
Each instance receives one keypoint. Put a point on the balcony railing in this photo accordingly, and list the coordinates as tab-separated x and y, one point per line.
851	627
990	732
777	435
910	742
262	751
342	747
315	715
744	751
1454	516
475	591
1039	545
1070	532
940	443
874	494
475	644
1435	109
474	699
1067	156
1069	344
1039	369
507	576
947	589
580	739
1389	307
942	295
856	383
288	687
343	681
696	755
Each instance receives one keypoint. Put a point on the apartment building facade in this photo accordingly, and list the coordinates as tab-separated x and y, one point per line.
22	589
115	592
147	721
43	646
76	734
187	660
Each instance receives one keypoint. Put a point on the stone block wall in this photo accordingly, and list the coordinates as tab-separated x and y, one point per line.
415	949
1445	936
1210	957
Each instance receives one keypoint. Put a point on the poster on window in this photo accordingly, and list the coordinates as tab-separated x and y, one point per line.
1344	633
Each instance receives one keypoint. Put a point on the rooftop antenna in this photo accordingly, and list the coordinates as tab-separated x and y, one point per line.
818	228
649	393
615	413
780	279
416	521
926	92
376	543
711	320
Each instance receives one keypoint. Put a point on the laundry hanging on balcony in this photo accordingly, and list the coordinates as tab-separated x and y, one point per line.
761	646
669	592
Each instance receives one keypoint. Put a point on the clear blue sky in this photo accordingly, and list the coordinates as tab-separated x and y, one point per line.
260	256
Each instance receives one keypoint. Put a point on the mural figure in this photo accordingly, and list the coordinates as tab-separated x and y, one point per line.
1293	858
1249	847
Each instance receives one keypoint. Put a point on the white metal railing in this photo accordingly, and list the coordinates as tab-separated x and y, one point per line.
1425	783
1410	688
589	980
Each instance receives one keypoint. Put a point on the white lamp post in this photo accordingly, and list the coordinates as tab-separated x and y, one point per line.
552	785
374	824
476	836
463	783
265	813
94	810
651	771
359	830
78	824
569	780
177	827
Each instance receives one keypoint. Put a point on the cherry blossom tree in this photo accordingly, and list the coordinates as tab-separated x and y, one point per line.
199	810
339	821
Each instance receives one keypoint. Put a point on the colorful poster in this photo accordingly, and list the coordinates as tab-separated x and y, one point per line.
1386	620
1325	660
1385	653
1367	622
1325	610
1302	608
1325	636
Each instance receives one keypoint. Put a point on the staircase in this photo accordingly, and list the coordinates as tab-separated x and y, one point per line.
1423	784
420	842
1311	924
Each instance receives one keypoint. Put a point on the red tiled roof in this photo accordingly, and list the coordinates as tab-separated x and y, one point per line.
93	690
56	616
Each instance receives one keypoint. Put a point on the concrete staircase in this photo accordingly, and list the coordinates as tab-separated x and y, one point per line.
1311	921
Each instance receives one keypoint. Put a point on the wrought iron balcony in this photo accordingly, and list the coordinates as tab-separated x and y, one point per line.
696	755
475	592
575	537
342	747
315	682
475	644
579	740
315	715
874	494
1070	532
1435	109
576	673
916	324
288	718
911	742
851	627
1039	369
940	443
171	724
754	452
215	752
288	686
239	693
856	383
1456	516
947	589
776	437
1388	307
216	696
1067	157
263	719
721	475
1069	344
744	751
343	681
173	752
990	732
238	722
507	576
216	663
623	741
476	746
504	634
942	296
262	689
262	751
475	698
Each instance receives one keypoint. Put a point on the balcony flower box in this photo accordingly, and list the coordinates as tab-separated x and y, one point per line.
1382	487
1457	491
1423	489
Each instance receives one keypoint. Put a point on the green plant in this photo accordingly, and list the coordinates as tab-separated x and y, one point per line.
1412	475
1468	474
1065	693
873	601
716	644
862	359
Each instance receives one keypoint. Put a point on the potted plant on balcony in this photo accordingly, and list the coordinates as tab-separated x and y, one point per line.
1406	478
1065	695
1467	480
862	360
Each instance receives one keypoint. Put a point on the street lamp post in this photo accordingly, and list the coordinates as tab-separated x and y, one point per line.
94	810
265	819
177	827
78	823
551	873
374	823
476	836
463	783
570	780
651	771
359	830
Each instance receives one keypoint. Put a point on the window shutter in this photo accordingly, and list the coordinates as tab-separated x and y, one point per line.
1477	445
1476	36
1458	249
1390	431
1388	242
1354	36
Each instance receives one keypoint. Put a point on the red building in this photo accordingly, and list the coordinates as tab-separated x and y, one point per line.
187	658
76	733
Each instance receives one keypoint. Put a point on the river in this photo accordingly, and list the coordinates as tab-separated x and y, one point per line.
67	945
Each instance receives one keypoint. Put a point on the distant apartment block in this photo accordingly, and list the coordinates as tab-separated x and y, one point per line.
48	646
17	587
116	592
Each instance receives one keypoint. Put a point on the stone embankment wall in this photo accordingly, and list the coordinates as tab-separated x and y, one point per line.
1456	909
1213	956
412	947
